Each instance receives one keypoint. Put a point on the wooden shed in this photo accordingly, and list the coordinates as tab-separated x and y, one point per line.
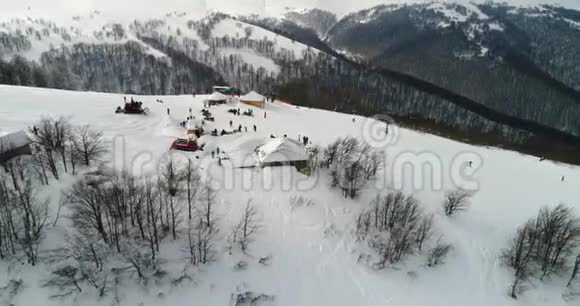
14	144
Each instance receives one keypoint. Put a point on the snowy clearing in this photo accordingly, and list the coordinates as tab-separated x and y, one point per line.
313	254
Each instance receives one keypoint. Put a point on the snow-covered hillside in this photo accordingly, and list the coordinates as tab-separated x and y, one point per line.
313	251
41	35
345	7
271	8
204	47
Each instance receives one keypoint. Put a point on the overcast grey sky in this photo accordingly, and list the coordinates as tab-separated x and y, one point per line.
133	8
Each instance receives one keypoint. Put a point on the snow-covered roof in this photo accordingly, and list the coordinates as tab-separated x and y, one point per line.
281	149
14	140
252	96
217	96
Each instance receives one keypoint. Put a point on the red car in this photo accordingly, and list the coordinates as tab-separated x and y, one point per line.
185	145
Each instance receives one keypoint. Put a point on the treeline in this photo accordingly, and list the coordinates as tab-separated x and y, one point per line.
19	71
122	68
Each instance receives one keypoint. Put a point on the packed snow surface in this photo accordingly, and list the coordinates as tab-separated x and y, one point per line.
314	255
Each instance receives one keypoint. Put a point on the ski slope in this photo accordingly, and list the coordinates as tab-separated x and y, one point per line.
314	256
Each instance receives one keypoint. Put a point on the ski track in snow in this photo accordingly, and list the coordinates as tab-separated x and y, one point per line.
313	252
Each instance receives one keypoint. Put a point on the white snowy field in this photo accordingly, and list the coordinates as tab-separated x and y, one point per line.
314	255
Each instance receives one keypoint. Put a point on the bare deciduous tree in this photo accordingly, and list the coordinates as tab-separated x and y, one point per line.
8	219
575	271
192	181
543	246
300	201
66	280
206	205
243	233
88	209
372	163
396	227
424	232
151	213
172	181
519	256
33	220
314	157
438	254
352	164
46	139
557	236
352	179
139	258
201	241
456	201
53	136
38	164
202	229
62	130
89	144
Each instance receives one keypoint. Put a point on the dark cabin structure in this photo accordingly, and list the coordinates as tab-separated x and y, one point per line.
14	144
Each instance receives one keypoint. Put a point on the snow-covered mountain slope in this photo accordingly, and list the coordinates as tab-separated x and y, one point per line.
471	49
32	37
314	252
45	35
342	8
130	9
468	17
183	53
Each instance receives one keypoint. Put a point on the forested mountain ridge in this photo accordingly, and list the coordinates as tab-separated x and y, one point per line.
498	55
178	54
546	35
